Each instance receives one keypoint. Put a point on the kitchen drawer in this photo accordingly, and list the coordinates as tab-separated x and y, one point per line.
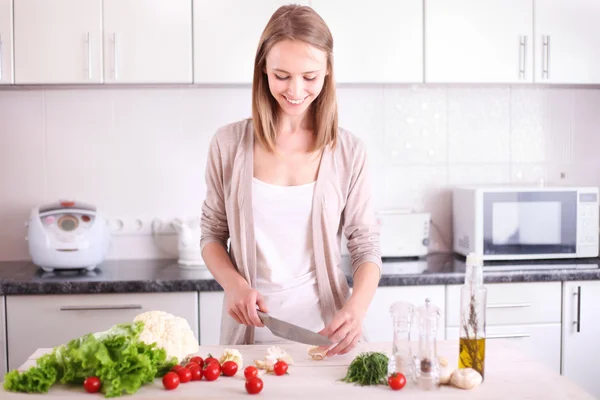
512	303
542	342
50	320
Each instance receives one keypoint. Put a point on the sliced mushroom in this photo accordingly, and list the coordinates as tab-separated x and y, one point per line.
466	378
317	353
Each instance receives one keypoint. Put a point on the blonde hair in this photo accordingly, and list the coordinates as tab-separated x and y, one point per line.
294	22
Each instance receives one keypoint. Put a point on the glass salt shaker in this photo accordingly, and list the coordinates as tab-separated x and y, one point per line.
427	365
402	360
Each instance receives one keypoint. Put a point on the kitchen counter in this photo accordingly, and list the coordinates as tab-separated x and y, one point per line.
510	374
137	276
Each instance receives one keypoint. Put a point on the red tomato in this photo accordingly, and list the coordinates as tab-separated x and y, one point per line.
196	372
250	372
254	385
170	380
280	368
229	368
396	381
185	375
211	359
91	384
198	360
191	364
212	371
176	367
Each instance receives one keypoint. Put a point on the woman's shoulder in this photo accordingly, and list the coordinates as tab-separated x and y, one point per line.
349	144
230	136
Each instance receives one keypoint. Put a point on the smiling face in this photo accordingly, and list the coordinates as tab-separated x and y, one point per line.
296	72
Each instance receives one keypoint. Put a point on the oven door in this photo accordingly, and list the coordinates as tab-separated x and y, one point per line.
530	223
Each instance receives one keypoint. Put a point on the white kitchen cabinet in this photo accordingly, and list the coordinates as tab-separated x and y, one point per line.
50	320
6	42
478	41
378	321
528	314
580	333
211	306
512	303
566	37
226	36
3	346
539	341
58	41
148	41
387	45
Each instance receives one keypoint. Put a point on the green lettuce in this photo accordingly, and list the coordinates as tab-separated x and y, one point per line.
117	356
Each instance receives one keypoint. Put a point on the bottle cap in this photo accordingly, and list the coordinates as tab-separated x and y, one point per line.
474	270
474	259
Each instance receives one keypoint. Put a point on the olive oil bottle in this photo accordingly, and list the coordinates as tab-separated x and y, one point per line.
473	298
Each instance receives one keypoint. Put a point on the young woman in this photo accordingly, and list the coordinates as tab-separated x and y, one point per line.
282	187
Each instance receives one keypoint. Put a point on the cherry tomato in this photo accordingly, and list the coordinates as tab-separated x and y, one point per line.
170	380
185	375
212	371
196	372
91	384
191	364
198	360
229	368
176	367
254	385
211	359
396	381
250	372
280	368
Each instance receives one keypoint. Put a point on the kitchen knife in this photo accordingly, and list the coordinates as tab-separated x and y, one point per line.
293	332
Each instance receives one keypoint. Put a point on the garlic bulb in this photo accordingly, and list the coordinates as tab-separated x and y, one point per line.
466	378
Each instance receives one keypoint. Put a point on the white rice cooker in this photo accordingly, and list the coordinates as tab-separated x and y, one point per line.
67	235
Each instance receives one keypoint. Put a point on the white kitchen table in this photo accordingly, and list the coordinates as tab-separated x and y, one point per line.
509	375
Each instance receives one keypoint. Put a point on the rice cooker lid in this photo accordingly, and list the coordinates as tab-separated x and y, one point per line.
62	206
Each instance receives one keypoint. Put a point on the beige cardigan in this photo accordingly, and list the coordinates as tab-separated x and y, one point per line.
342	199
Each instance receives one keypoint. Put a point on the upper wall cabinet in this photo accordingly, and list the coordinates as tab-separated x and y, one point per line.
6	42
226	35
567	41
58	41
148	41
474	41
388	46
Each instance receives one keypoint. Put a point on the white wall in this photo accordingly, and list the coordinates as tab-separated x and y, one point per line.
141	152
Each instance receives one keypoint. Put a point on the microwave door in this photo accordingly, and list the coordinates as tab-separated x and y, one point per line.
530	223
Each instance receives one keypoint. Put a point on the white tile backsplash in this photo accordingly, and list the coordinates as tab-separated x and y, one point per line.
141	152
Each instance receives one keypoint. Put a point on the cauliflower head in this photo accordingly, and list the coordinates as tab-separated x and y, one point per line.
232	355
168	331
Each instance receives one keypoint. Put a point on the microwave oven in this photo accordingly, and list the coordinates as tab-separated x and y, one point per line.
517	223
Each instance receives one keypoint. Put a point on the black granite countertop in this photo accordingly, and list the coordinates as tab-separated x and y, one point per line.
137	276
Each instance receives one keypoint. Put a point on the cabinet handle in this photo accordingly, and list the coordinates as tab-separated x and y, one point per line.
578	322
546	56
89	55
508	336
107	307
509	305
115	52
1	58
522	56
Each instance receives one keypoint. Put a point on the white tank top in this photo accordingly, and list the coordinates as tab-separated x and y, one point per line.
285	270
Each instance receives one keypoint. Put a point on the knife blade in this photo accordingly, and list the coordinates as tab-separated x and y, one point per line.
293	332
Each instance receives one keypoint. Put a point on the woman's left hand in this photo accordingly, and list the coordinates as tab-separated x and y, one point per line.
345	329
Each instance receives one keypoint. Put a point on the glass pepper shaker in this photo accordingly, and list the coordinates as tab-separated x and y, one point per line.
427	366
402	360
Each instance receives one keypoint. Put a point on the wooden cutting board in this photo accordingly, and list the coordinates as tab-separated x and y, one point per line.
509	375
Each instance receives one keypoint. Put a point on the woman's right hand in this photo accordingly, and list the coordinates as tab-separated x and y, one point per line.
241	305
